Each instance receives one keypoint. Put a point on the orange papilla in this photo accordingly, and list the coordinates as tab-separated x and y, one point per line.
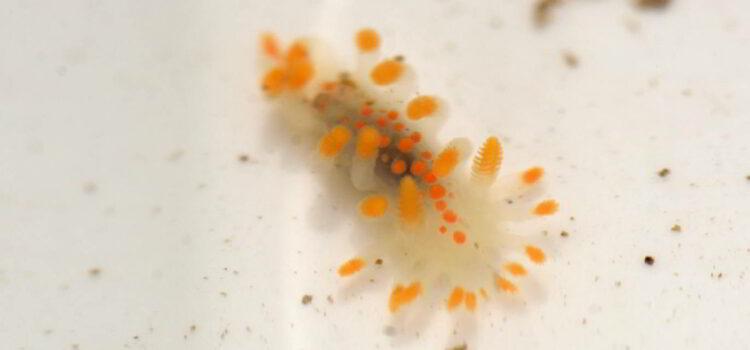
547	207
436	191
459	237
392	115
387	72
456	297
418	167
487	161
359	124
274	81
405	144
351	266
445	162
450	216
443	229
270	44
471	301
535	254
426	155
335	140
532	175
368	139
410	201
420	107
299	72
297	51
399	126
367	39
382	122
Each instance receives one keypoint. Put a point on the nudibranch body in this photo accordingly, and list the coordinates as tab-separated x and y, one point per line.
432	222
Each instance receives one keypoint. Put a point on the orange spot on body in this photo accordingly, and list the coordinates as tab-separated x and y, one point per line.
385	140
443	229
373	206
387	72
445	162
426	155
532	175
459	237
392	115
471	301
368	140
416	136
418	167
382	122
515	269
547	207
505	285
405	144
334	141
535	254
351	266
366	111
367	40
456	297
449	216
359	124
399	126
422	106
398	167
429	177
436	191
440	205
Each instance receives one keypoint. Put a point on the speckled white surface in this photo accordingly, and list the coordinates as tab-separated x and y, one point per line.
121	124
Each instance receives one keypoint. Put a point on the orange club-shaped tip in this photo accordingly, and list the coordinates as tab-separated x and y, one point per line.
351	266
387	72
535	254
367	40
547	207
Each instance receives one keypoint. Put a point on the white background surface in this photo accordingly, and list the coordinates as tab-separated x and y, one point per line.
121	124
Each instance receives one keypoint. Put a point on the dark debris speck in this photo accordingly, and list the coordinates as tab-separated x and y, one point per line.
652	4
307	299
649	260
